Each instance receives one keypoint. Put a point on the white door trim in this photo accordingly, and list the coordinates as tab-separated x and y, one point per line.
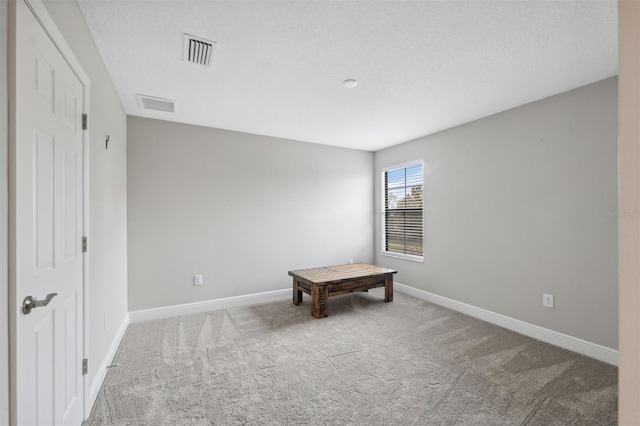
48	24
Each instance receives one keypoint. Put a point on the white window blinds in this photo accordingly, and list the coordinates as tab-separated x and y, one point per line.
403	202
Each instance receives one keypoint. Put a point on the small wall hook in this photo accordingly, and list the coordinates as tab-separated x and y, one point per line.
106	143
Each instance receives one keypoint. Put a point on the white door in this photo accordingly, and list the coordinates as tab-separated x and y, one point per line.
48	229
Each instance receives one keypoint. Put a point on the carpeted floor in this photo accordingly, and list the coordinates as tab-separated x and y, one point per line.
408	362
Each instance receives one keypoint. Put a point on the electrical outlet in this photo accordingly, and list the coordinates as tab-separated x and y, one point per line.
197	280
350	261
547	300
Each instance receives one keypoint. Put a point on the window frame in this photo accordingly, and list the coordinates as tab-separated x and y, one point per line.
383	250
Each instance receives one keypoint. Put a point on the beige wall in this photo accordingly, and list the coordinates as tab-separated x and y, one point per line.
629	224
108	188
240	209
516	207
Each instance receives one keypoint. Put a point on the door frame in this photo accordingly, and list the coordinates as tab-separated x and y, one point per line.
39	10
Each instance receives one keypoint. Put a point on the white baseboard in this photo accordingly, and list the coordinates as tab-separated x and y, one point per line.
108	359
207	305
574	344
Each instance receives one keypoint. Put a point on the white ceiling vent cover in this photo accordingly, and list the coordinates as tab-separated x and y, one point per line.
198	50
158	104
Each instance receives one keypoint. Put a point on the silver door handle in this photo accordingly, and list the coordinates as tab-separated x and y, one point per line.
30	303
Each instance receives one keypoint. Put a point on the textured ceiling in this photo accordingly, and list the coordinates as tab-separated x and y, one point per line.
422	66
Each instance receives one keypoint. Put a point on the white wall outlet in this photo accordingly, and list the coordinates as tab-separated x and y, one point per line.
197	280
547	300
350	261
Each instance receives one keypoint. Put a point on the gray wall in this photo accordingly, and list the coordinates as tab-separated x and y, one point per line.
516	206
108	188
241	209
4	222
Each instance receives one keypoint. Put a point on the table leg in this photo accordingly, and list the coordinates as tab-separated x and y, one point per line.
319	301
388	288
297	293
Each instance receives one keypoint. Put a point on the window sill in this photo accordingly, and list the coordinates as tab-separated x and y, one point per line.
404	256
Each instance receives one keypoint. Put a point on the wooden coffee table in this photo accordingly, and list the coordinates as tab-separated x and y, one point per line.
322	283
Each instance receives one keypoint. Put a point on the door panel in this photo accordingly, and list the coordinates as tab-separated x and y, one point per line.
71	109
48	217
70	202
70	318
44	332
44	82
44	200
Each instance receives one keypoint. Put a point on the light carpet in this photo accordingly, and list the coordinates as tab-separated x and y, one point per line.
408	362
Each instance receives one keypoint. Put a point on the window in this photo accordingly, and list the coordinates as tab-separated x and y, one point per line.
403	202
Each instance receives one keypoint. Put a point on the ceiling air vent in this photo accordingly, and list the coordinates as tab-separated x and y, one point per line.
159	104
198	50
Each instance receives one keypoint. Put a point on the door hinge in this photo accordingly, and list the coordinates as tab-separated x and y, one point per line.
84	244
85	366
85	118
